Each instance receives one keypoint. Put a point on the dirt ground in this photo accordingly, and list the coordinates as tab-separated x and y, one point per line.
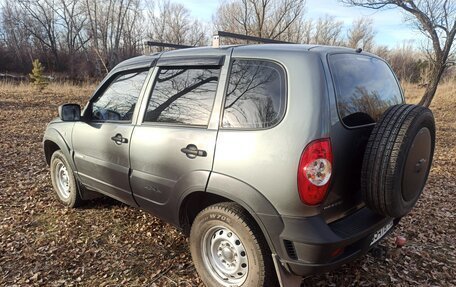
106	243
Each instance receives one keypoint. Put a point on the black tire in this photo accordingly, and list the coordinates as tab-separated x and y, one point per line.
66	190
398	159
221	224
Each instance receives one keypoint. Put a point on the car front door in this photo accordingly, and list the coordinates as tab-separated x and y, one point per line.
101	141
173	145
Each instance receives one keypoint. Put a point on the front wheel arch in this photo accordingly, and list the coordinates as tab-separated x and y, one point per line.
64	181
49	148
53	140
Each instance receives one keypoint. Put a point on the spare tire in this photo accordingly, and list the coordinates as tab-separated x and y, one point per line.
397	159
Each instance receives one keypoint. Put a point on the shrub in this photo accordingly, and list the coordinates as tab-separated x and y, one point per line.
37	77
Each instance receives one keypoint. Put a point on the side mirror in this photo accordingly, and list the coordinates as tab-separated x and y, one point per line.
70	112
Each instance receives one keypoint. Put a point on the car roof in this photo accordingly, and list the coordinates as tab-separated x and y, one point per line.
149	60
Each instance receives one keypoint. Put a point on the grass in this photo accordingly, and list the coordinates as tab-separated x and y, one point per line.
64	89
446	93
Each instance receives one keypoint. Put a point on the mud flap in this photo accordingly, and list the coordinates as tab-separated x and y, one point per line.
286	279
87	194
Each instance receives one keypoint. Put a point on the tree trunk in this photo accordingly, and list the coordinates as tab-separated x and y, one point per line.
431	89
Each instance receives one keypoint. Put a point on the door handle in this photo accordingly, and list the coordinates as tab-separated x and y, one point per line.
192	151
119	139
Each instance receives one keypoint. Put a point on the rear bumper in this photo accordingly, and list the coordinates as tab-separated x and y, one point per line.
310	245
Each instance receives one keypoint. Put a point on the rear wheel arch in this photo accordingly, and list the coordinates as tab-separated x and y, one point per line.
222	188
193	204
228	249
196	202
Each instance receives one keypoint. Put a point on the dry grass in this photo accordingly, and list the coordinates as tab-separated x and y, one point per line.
445	93
64	89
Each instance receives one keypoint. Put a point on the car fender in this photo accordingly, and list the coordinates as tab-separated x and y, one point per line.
250	199
60	138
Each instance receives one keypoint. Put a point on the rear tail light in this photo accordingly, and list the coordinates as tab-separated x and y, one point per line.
314	172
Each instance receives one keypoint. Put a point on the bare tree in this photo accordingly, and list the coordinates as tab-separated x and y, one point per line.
45	29
173	24
40	20
381	51
274	19
133	34
87	36
73	37
361	34
434	18
305	28
107	23
328	31
299	32
15	38
407	62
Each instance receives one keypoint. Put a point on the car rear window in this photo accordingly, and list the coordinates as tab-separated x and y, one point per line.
365	88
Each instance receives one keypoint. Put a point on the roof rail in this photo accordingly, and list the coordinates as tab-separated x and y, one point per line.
219	34
216	42
167	45
151	44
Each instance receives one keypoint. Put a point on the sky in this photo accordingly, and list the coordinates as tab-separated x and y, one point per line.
388	24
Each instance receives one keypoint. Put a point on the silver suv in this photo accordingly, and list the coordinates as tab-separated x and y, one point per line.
278	160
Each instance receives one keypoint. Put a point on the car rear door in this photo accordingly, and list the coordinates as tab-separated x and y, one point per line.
101	142
172	146
364	88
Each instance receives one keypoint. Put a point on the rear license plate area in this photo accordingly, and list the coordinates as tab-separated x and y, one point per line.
381	232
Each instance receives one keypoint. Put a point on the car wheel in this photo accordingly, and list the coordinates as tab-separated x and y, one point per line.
228	248
398	159
63	180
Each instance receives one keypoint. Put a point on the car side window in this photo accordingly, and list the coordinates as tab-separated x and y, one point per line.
119	99
256	97
183	95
